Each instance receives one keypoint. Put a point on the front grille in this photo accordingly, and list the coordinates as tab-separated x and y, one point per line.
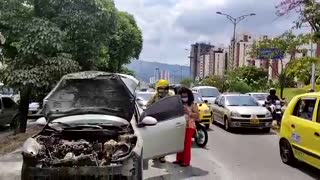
261	116
246	115
47	177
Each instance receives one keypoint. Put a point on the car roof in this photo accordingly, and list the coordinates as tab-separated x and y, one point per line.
312	94
235	94
145	92
203	87
257	93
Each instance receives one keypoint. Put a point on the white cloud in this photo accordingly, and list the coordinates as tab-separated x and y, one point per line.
170	26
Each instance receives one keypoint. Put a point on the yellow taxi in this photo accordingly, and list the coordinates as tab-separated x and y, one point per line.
204	110
300	131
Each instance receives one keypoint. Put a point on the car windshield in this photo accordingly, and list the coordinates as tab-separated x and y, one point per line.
209	92
145	96
197	98
260	97
241	101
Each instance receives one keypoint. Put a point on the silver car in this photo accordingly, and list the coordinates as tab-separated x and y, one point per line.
241	111
8	111
260	97
96	129
143	98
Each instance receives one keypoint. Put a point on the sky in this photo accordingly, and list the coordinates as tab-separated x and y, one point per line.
169	27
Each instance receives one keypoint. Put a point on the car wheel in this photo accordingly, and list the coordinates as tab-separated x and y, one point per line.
15	123
207	126
286	153
212	119
226	124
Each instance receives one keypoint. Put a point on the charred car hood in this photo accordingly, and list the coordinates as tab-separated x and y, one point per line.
92	92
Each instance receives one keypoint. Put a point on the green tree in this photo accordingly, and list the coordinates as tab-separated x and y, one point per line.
125	43
286	44
186	82
301	68
219	82
46	39
256	78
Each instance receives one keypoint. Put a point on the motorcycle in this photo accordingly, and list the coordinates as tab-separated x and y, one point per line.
201	135
277	109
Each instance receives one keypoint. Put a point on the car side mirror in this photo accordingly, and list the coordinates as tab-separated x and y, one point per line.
41	121
148	121
205	101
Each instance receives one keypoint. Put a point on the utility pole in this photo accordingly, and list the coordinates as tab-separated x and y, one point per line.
234	21
313	71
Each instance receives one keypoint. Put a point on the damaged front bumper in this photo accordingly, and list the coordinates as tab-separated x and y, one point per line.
126	170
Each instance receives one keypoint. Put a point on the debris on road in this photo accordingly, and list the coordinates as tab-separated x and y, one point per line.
12	142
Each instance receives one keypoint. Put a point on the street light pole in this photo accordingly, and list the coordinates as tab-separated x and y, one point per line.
234	21
313	72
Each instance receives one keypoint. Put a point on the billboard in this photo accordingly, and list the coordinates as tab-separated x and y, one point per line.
270	53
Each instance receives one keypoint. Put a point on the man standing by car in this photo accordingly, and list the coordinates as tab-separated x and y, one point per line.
162	91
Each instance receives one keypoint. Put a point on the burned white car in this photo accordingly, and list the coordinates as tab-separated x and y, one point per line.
96	130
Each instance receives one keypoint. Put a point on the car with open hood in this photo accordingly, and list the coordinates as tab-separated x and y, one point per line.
95	129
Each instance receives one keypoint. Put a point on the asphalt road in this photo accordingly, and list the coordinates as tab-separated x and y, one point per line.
229	156
251	155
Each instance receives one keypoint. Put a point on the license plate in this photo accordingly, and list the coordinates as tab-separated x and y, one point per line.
254	121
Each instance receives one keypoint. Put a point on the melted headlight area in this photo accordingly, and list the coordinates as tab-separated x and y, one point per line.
56	151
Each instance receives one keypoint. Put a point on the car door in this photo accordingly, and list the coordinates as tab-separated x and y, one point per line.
3	115
215	109
220	111
314	149
9	109
167	136
302	130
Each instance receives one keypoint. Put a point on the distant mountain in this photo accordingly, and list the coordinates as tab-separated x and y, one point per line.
145	69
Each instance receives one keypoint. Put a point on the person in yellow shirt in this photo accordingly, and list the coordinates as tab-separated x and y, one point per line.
162	91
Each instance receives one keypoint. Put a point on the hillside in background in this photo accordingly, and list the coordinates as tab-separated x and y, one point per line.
145	69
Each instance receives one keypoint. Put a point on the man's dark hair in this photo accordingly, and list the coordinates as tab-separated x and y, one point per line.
184	90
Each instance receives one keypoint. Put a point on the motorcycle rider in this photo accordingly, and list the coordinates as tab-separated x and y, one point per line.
272	97
162	91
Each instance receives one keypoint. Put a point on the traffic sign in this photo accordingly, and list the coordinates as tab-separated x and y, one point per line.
270	53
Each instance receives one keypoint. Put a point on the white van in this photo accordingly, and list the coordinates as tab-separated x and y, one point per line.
208	93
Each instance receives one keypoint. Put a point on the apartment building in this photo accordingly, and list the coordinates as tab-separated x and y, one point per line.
211	60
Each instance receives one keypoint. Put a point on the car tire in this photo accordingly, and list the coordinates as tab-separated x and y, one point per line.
212	119
207	126
15	123
226	124
286	153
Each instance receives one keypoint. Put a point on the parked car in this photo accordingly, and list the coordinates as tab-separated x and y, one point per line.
241	111
204	110
8	111
260	97
143	98
34	107
300	131
208	93
95	128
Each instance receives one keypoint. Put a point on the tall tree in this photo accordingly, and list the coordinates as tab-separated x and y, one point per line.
281	46
49	38
125	43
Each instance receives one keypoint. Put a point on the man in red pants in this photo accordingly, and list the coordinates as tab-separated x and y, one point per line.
192	114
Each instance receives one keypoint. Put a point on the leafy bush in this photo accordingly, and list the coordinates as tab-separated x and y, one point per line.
219	82
239	86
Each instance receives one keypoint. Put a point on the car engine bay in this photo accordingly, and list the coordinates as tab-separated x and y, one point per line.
79	147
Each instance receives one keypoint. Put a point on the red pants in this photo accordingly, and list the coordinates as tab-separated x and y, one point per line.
185	156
